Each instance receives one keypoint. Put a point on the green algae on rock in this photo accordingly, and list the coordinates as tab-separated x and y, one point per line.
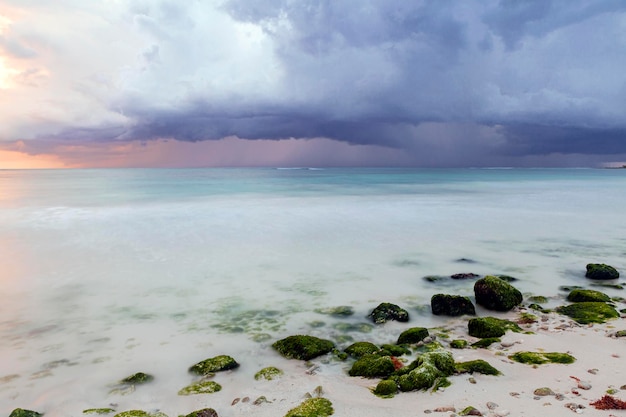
429	370
340	311
479	366
540	358
20	412
412	335
216	364
360	349
470	411
451	305
312	407
201	387
386	388
205	412
486	342
268	373
580	295
139	413
589	312
394	350
601	272
494	293
98	411
386	311
484	327
540	299
459	344
303	347
137	379
372	366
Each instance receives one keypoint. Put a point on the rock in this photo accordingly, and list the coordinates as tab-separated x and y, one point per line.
470	411
303	347
538	299
492	405
539	358
137	379
205	412
372	366
580	295
484	327
268	373
601	272
428	371
486	342
216	364
360	349
387	311
201	387
412	335
459	344
451	305
445	409
466	261
479	366
493	293
589	312
393	350
466	275
139	413
313	407
340	311
20	412
386	388
98	411
543	392
620	333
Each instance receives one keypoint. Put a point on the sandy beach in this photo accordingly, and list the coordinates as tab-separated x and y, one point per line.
598	366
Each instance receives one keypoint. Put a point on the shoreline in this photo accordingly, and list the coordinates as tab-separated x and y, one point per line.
512	393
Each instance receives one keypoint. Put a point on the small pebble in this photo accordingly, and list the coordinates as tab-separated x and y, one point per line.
235	401
559	397
514	394
492	406
471	380
584	385
593	371
427	411
245	399
544	391
623	387
501	413
444	409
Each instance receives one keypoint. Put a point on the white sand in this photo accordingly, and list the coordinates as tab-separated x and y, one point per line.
592	346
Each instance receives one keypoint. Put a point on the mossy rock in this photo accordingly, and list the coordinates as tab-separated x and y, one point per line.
303	347
98	411
601	272
494	293
537	307
360	349
394	350
486	342
216	364
202	387
470	411
137	379
386	311
577	296
20	412
268	373
459	344
451	305
340	311
386	388
476	366
139	413
412	335
313	407
589	312
205	412
429	370
353	327
484	327
539	299
540	358
372	366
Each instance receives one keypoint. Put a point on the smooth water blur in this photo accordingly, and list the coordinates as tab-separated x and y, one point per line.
113	271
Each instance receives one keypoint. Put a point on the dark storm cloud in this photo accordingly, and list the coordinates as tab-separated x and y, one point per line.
445	78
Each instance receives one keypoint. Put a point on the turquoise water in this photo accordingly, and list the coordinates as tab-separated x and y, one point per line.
108	272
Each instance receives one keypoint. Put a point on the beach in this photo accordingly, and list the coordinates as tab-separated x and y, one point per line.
109	273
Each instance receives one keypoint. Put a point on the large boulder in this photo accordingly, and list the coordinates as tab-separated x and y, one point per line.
387	311
451	305
494	293
303	347
601	272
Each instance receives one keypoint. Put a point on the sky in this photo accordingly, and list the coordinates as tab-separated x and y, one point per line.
432	83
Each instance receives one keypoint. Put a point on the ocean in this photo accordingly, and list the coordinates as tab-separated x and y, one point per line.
110	272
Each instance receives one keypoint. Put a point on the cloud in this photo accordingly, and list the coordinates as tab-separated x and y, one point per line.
444	82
